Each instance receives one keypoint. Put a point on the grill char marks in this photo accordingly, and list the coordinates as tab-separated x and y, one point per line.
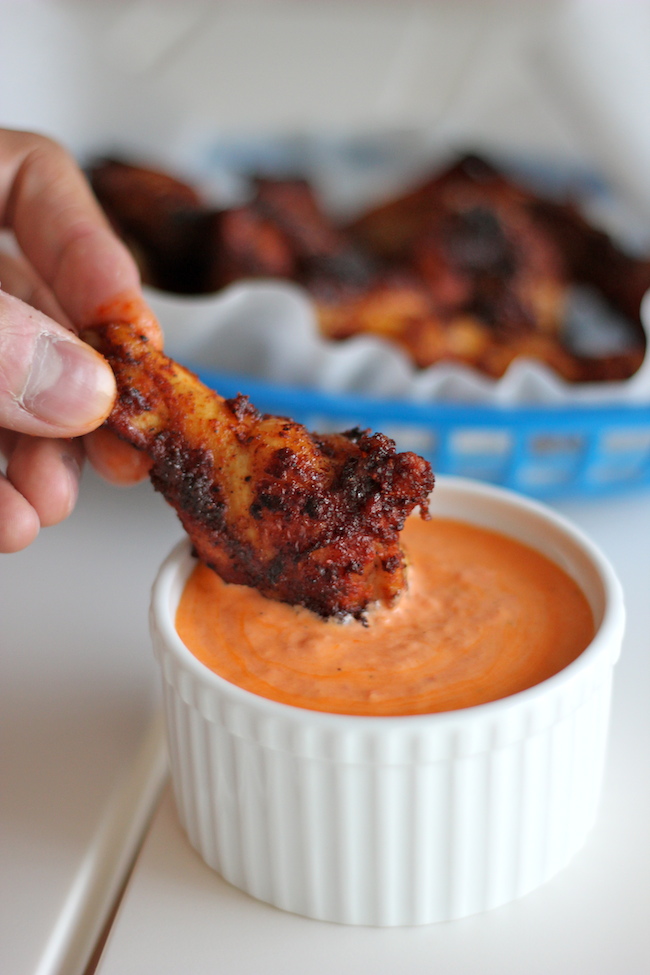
305	519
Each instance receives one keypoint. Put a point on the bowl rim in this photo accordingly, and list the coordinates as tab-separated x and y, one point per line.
605	645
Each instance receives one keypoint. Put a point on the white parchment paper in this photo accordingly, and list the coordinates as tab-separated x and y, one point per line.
268	330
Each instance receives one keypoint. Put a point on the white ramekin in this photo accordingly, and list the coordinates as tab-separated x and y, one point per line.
396	820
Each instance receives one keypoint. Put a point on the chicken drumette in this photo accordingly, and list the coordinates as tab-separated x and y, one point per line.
469	266
305	519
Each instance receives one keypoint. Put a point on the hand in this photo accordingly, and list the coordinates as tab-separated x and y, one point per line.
71	272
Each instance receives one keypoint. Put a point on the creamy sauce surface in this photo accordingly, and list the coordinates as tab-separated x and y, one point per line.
484	616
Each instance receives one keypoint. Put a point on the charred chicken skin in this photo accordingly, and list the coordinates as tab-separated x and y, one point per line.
163	221
305	519
468	267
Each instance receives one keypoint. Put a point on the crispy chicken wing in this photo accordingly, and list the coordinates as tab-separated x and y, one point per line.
305	519
469	236
498	260
470	266
162	219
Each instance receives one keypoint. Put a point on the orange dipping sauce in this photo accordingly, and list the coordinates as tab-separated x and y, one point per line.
484	617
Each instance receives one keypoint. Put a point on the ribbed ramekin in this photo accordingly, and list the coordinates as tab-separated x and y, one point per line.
396	820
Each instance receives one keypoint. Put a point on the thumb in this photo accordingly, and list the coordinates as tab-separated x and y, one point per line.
51	383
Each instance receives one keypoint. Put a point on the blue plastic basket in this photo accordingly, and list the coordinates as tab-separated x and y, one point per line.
545	452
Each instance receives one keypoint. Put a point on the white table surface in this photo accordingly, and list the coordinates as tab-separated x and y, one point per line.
179	916
81	759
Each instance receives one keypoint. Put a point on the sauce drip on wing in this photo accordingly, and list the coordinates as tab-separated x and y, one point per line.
305	519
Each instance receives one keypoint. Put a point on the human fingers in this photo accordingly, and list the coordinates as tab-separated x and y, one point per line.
59	226
80	260
17	278
7	441
116	461
51	383
39	489
47	473
41	485
19	522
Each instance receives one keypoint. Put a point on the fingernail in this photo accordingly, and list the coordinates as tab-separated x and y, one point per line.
68	383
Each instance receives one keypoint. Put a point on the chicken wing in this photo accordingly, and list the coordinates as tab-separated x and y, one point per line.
305	519
469	267
164	221
498	261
